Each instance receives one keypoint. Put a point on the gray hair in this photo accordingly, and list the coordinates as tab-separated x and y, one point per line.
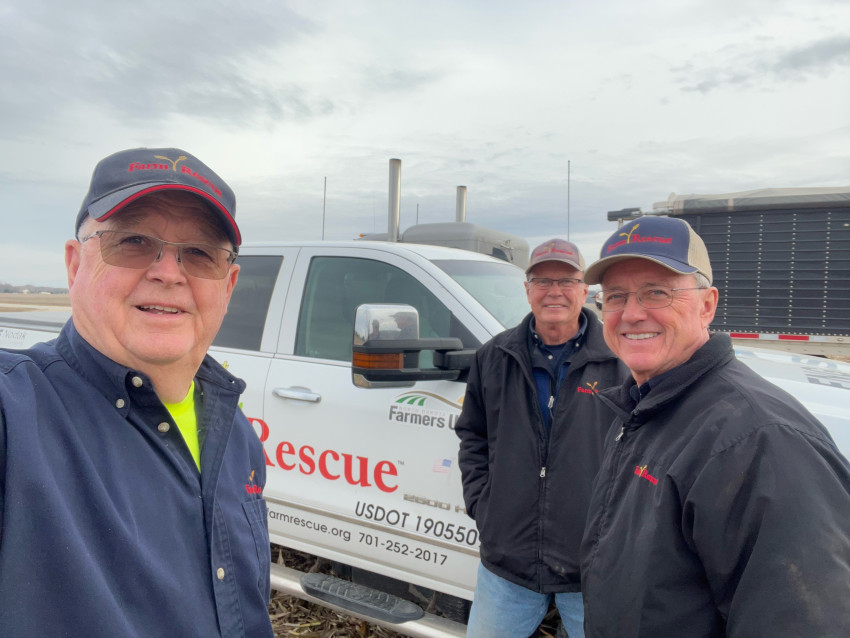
701	280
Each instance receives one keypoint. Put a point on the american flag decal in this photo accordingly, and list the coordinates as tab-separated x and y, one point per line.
444	466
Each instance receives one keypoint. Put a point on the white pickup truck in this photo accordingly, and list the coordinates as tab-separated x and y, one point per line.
362	462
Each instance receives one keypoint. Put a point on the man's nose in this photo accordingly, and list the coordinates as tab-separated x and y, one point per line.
165	266
632	307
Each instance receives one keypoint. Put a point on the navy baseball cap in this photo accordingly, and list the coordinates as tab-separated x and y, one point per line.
125	176
668	241
556	250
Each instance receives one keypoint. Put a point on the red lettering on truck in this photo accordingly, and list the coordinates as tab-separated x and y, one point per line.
332	465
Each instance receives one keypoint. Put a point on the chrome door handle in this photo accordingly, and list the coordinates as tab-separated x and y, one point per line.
297	393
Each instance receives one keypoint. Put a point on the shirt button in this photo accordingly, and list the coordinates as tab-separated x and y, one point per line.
119	403
220	573
163	427
550	357
137	382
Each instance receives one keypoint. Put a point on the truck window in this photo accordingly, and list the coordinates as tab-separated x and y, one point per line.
337	285
246	315
498	287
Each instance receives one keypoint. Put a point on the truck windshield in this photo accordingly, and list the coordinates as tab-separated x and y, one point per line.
497	286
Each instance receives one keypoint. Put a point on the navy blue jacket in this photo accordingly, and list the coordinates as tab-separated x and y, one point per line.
528	488
722	508
107	529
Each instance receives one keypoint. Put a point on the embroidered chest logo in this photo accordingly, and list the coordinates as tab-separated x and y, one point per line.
641	472
590	389
251	487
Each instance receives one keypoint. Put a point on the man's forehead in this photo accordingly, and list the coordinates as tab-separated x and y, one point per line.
183	207
554	268
639	272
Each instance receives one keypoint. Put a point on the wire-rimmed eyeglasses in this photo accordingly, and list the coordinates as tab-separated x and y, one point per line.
545	283
134	250
650	297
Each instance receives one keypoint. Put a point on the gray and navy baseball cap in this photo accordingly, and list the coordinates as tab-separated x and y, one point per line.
125	176
668	241
556	250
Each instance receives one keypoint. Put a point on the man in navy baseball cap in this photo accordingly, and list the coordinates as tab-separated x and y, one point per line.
122	440
695	525
667	241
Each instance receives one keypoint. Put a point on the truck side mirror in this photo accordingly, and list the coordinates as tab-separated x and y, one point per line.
386	349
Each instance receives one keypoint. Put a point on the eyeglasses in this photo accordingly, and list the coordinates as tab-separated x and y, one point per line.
134	250
545	283
650	297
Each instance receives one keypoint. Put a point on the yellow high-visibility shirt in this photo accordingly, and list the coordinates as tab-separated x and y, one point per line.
184	416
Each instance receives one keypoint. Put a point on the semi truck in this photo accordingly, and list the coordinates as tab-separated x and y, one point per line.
781	261
356	414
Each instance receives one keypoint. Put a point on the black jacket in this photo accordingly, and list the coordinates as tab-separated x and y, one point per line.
722	510
528	492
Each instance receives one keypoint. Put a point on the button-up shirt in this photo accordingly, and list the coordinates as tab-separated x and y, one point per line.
550	364
107	529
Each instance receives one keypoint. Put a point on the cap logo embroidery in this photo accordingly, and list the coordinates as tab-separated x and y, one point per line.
637	239
172	165
590	389
641	472
550	249
173	162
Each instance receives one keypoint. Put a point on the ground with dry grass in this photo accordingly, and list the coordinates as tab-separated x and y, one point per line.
294	617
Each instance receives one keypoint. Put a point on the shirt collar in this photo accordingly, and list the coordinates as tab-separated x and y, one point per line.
639	392
575	340
112	378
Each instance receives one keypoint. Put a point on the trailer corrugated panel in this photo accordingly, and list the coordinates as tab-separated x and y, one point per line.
779	271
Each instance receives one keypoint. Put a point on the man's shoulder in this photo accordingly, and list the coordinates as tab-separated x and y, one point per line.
510	339
765	398
744	404
41	354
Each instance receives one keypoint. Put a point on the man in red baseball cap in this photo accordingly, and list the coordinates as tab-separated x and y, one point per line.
531	437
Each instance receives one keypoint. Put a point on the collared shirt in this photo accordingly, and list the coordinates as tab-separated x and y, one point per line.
550	364
639	392
107	528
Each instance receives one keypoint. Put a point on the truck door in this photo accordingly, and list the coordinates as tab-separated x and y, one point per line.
366	477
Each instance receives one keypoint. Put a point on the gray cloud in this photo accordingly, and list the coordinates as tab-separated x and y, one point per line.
751	69
147	60
398	79
818	57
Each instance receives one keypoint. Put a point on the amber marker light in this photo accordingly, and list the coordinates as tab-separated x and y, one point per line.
374	361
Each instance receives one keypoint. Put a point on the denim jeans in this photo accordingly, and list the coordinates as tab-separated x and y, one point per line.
501	609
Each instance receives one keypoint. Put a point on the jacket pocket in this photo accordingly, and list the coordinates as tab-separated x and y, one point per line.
255	512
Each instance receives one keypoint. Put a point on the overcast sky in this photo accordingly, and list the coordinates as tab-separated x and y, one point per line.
641	98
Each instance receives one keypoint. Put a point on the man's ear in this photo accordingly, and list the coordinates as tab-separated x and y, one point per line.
708	305
232	276
73	250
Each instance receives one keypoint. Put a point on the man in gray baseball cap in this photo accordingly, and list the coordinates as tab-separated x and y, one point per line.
722	506
531	441
121	441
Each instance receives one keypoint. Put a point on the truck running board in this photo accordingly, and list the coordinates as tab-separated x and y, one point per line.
364	600
368	604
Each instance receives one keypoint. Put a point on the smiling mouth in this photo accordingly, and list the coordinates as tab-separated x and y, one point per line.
641	335
167	310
